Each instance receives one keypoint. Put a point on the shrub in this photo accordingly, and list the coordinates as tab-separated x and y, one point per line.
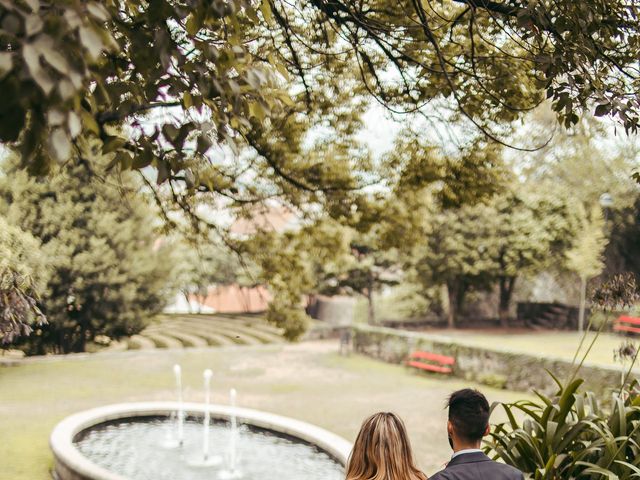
571	434
108	274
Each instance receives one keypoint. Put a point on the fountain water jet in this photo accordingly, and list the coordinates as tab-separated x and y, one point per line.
207	401
232	473
174	436
207	460
178	373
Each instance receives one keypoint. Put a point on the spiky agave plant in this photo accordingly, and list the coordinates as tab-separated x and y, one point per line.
571	434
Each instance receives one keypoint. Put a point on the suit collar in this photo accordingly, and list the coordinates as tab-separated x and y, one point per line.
472	457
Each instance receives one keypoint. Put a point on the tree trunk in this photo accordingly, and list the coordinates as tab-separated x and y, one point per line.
583	301
451	312
453	295
456	290
186	297
506	290
371	314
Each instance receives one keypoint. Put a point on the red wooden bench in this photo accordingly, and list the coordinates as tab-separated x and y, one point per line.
627	324
432	362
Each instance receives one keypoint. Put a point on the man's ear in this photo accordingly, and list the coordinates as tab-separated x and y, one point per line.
450	428
487	430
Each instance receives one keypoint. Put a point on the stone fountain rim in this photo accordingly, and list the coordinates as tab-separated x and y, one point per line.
67	454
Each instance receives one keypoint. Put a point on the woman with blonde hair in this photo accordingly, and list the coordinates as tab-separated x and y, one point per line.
382	451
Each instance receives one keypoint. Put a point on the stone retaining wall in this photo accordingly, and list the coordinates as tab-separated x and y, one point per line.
497	367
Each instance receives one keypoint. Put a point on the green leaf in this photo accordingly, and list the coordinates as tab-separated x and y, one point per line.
74	124
251	13
142	160
34	5
98	11
91	41
187	100
163	171
123	158
194	23
602	110
33	24
57	61
60	144
89	122
111	144
265	8
170	132
31	55
203	144
6	63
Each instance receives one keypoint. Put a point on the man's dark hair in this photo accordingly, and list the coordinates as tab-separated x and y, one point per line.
469	414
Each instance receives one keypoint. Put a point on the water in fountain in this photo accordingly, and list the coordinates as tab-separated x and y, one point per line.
127	448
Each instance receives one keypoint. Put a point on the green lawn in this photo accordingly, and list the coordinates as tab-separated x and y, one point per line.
546	343
308	381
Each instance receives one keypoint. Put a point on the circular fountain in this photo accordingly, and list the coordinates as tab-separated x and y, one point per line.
134	441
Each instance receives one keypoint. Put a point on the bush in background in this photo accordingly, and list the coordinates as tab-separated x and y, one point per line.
109	273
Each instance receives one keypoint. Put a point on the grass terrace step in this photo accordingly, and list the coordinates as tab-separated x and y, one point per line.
256	322
117	346
221	328
190	339
138	342
161	339
264	337
210	337
251	336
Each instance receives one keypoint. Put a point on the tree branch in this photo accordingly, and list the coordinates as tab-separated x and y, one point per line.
114	116
496	7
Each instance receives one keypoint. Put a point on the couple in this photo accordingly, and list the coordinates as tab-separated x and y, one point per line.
382	450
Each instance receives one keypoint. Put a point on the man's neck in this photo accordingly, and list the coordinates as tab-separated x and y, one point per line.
459	448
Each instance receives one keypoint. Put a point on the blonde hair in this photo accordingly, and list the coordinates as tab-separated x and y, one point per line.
382	451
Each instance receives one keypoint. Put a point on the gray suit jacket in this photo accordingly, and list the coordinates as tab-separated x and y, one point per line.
477	466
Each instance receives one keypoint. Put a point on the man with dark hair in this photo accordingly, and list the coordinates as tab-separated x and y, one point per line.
468	423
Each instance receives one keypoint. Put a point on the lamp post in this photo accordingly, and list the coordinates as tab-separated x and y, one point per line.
606	202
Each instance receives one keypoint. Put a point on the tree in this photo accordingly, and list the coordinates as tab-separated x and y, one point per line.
171	85
588	163
369	269
223	100
108	274
76	69
585	257
453	252
23	274
456	50
435	216
526	233
295	263
202	264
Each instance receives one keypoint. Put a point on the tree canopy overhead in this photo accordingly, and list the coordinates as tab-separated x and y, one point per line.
238	102
161	82
194	89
